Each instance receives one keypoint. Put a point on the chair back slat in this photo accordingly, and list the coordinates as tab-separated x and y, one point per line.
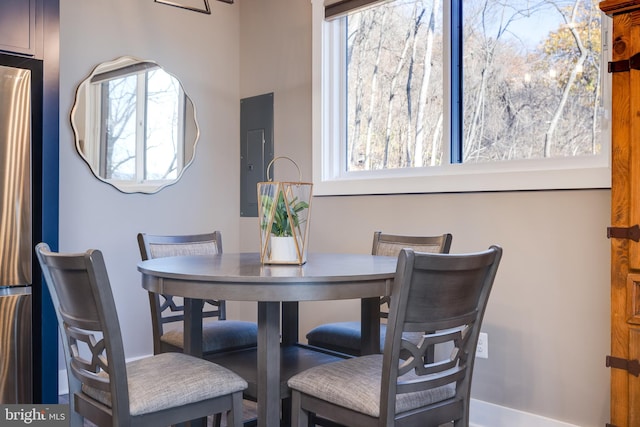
452	294
158	246
70	280
392	244
446	377
167	249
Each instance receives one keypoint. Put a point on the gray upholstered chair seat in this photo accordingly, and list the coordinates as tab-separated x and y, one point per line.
218	335
148	389
355	384
346	335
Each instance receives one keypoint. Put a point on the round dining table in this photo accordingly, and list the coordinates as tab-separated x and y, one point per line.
243	277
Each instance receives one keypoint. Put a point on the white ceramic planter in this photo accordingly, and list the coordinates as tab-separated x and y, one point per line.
283	249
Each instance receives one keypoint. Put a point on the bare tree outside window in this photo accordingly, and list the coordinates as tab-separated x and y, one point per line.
395	85
531	78
144	115
120	111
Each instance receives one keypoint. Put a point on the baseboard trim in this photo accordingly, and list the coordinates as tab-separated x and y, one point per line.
485	414
482	414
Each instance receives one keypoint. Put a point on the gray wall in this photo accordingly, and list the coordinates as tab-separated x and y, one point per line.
203	51
548	318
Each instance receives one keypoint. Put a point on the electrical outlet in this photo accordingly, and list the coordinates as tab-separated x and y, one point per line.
482	350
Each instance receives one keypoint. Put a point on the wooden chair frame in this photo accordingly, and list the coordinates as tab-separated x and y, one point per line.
160	305
444	293
87	318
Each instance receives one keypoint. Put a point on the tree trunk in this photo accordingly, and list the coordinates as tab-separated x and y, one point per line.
418	157
374	91
394	81
549	135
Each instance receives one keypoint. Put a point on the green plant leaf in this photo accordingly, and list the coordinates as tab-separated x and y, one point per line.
281	225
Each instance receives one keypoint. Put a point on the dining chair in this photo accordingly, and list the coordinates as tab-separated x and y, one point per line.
103	387
167	312
345	337
444	293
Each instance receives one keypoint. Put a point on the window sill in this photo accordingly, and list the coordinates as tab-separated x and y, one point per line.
464	178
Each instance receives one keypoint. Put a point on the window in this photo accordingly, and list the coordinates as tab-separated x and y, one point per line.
140	125
435	96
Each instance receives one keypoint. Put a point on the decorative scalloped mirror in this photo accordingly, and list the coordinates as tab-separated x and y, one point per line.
134	125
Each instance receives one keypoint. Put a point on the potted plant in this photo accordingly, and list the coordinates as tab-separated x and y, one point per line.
284	208
284	228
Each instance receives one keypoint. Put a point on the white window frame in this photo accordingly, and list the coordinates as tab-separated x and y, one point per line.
330	176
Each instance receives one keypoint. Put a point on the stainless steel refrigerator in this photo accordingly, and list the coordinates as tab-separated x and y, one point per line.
15	236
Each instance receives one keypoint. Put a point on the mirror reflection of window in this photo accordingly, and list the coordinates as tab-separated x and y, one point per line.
143	134
134	125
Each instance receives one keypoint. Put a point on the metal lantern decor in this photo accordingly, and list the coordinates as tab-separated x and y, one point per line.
283	211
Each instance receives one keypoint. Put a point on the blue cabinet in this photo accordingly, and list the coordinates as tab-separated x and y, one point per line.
18	26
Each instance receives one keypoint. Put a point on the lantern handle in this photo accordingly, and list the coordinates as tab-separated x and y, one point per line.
286	158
